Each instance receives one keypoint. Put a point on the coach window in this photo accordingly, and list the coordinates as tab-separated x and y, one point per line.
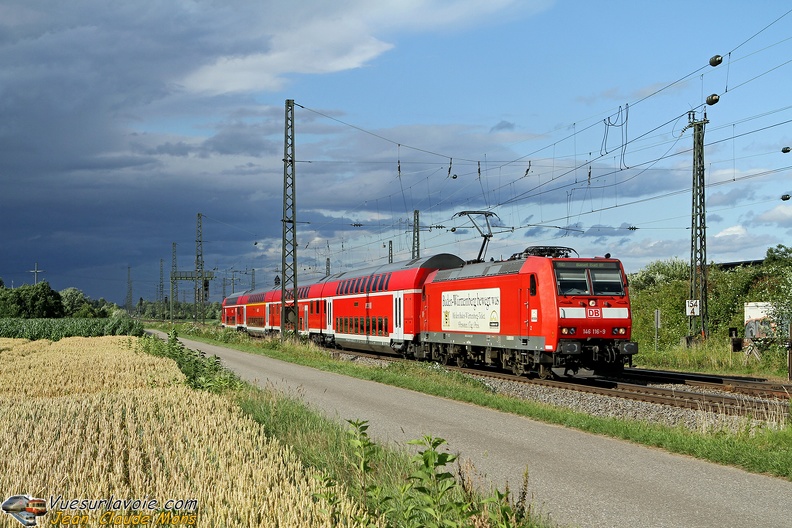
533	285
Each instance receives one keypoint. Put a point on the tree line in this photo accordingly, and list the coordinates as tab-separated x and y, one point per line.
40	301
665	285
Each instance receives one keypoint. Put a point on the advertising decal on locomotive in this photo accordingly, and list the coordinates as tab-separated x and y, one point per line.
471	310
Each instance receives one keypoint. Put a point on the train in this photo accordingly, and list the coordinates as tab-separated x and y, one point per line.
544	311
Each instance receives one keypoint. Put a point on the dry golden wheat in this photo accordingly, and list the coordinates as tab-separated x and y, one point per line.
90	418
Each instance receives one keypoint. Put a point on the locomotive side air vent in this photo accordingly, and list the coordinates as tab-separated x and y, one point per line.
546	251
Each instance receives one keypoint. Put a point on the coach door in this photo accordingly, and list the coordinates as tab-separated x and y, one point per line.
398	316
329	314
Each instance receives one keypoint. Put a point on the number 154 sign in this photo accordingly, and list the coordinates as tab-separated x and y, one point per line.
692	307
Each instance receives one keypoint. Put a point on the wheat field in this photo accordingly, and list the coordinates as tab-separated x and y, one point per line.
93	418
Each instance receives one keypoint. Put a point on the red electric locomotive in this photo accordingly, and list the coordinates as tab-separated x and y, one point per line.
538	311
541	311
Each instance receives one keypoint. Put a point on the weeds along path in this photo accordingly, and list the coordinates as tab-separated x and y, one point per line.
579	478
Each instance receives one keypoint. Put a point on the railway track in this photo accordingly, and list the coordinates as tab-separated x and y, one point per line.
748	397
755	387
686	397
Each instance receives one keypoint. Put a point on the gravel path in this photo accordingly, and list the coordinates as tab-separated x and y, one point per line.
579	479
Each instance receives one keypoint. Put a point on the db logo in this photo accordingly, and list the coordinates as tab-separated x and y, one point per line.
594	313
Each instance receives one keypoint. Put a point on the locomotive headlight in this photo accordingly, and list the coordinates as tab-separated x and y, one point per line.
567	330
592	302
619	331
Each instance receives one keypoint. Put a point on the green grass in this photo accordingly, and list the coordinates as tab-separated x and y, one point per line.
397	488
760	450
716	357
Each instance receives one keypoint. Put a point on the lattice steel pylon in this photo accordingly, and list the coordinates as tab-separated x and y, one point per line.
199	270
174	291
416	238
289	313
698	232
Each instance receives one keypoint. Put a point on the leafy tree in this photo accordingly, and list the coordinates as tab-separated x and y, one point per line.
8	304
664	289
779	255
729	290
74	301
38	301
660	272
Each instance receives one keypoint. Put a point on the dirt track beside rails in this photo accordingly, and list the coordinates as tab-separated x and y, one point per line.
578	478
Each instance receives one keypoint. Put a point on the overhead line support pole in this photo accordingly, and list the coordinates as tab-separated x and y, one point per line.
698	232
289	241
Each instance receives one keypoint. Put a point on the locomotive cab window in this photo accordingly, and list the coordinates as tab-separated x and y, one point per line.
572	282
589	278
607	282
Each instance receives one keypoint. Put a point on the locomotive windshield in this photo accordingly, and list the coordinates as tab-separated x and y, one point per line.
588	278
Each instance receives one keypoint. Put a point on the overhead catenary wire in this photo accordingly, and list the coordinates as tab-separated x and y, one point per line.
545	181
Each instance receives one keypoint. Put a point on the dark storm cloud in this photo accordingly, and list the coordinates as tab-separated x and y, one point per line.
80	184
241	138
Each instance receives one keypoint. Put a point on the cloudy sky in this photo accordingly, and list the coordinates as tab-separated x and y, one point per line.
120	122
